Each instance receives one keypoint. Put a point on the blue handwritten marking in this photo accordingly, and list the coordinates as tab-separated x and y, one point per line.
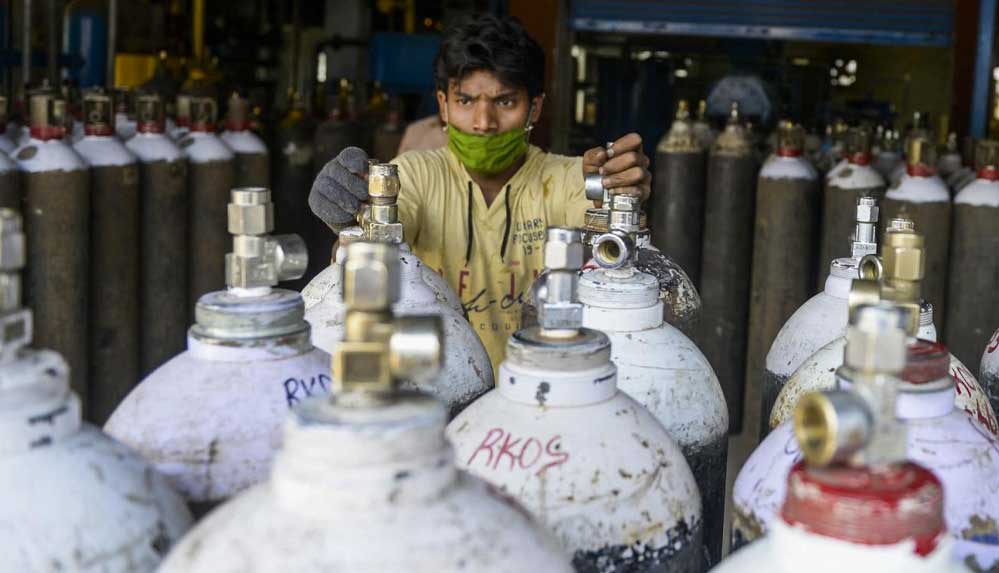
297	389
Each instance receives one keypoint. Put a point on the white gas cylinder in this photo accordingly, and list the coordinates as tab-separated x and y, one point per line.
74	499
959	451
210	418
665	372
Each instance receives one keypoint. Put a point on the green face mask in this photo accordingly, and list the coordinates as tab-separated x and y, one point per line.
487	154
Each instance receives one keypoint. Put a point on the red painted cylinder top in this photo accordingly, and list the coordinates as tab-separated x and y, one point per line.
927	362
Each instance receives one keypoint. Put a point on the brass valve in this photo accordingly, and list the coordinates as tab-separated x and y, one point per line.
15	321
203	113
734	139
41	110
858	141
897	275
149	109
378	349
381	219
257	258
859	426
680	137
920	150
183	111
987	154
560	313
98	112
237	110
790	136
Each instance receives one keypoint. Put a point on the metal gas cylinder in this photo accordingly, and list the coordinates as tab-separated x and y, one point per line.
210	418
857	179
784	243
823	318
658	365
467	372
252	163
294	169
726	261
586	459
677	205
56	184
7	145
163	236
182	117
950	160
866	495
924	197
387	496
989	365
903	254
73	498
974	309
210	174
889	156
942	438
114	258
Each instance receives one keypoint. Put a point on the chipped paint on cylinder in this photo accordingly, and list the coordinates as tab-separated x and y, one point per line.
56	185
925	200
784	243
681	301
115	514
466	373
251	166
725	271
210	175
962	453
114	272
667	374
388	497
819	373
974	273
989	365
819	321
677	207
594	466
839	211
163	248
788	548
210	418
10	183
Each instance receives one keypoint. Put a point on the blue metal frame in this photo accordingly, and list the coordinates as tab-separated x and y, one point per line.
983	68
896	22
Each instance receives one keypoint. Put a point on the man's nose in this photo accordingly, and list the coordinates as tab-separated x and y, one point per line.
484	120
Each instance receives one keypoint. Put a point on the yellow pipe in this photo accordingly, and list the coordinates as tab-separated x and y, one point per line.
198	31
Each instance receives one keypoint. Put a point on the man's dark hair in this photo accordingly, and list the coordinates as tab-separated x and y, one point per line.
496	44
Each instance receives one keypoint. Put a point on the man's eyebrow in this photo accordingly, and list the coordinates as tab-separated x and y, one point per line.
511	94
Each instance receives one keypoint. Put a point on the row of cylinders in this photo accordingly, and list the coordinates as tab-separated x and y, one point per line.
757	239
656	461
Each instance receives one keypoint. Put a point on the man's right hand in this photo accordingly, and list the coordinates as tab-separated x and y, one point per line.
340	188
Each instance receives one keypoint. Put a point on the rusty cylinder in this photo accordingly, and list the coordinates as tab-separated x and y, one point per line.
974	266
252	164
923	197
677	206
858	178
163	243
114	258
726	259
784	243
56	183
210	175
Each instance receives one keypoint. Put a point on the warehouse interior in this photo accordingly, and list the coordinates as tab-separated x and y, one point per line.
729	304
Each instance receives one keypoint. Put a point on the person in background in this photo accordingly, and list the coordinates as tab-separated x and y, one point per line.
477	210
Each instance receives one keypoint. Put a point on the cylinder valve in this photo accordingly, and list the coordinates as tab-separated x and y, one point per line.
257	258
560	314
864	237
859	426
378	349
616	247
381	219
897	275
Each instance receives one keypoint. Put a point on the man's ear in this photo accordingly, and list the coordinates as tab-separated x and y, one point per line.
537	102
442	106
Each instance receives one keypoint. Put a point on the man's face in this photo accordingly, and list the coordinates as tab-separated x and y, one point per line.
479	103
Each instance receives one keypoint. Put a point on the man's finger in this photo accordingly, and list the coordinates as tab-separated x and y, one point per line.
629	142
354	159
343	199
593	159
348	181
630	176
624	161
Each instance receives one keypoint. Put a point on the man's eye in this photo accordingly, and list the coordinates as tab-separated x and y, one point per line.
464	101
505	103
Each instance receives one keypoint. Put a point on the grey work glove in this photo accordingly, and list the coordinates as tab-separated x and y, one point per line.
340	188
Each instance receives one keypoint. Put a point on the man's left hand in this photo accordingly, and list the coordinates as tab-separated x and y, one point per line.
623	164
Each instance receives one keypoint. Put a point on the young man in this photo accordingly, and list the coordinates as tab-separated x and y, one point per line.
477	210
